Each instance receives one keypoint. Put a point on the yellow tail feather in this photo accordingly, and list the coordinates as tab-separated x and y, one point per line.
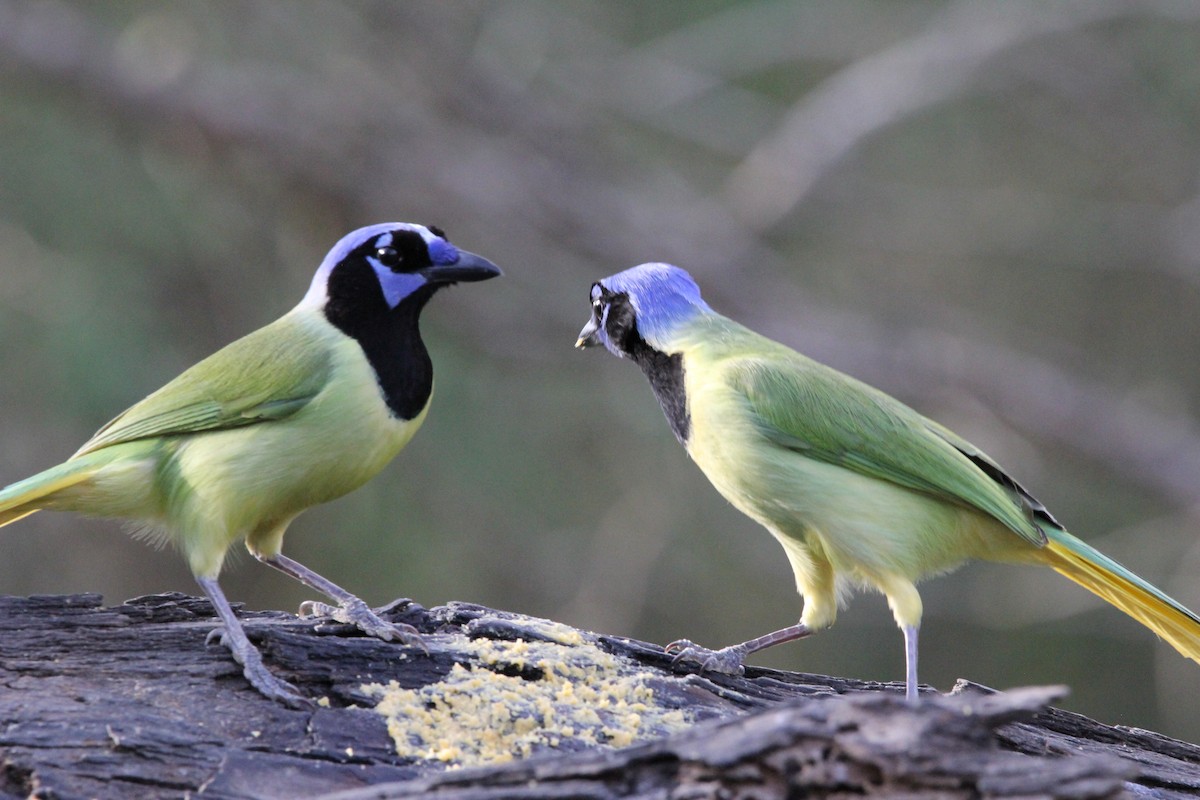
21	499
12	516
1135	597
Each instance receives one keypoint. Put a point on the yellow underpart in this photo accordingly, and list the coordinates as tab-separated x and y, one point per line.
583	697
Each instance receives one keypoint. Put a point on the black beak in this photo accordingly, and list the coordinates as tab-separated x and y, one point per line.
469	267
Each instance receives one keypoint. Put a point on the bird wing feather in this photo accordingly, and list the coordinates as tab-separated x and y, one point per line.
267	375
817	412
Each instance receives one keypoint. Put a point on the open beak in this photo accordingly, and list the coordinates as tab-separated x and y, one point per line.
469	267
588	337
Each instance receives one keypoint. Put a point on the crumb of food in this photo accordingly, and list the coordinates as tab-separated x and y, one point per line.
524	697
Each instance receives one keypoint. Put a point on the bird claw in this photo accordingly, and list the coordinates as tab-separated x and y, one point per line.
315	608
726	661
257	674
219	635
277	689
357	614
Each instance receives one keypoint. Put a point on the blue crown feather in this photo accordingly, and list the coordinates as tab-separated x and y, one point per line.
663	296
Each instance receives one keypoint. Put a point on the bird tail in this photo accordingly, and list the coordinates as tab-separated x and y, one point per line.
1099	574
34	493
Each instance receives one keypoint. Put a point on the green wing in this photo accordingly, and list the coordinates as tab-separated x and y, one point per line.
806	407
267	375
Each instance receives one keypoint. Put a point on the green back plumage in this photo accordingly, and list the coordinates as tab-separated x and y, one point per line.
266	375
803	406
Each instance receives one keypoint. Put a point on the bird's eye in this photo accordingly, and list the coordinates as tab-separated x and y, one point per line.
598	308
389	256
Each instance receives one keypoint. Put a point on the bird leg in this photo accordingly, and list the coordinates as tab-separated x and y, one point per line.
349	609
730	660
910	662
233	636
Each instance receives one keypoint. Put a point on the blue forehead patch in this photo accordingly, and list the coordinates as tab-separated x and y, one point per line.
442	252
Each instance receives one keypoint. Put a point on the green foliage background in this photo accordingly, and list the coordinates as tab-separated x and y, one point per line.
988	209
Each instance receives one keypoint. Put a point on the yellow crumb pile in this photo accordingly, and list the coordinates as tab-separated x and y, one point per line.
566	694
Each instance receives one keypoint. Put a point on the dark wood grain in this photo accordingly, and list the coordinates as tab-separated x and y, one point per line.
129	701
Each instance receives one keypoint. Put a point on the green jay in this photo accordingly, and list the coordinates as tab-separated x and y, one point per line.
294	414
860	489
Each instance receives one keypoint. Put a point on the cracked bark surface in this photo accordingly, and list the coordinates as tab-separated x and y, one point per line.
127	701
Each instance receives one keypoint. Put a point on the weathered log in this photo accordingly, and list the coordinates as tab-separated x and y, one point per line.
128	701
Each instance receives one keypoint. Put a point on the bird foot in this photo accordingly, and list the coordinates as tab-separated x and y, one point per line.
355	612
726	661
256	672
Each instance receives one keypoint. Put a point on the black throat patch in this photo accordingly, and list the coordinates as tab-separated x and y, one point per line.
389	337
665	372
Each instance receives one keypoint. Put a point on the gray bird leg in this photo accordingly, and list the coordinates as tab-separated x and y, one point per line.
233	636
730	660
349	609
910	663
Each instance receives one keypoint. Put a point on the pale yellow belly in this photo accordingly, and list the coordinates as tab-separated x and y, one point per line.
865	527
252	481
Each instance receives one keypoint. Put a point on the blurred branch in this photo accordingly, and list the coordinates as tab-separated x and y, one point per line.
1085	235
898	83
501	159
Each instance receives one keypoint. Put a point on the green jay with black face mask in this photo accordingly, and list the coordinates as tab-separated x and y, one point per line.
294	414
858	488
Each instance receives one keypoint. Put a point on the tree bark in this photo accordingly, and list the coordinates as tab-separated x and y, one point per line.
128	701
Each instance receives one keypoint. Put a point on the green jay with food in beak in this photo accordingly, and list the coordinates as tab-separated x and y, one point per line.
294	414
858	488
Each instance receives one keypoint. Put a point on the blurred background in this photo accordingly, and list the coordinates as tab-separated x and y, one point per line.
990	210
